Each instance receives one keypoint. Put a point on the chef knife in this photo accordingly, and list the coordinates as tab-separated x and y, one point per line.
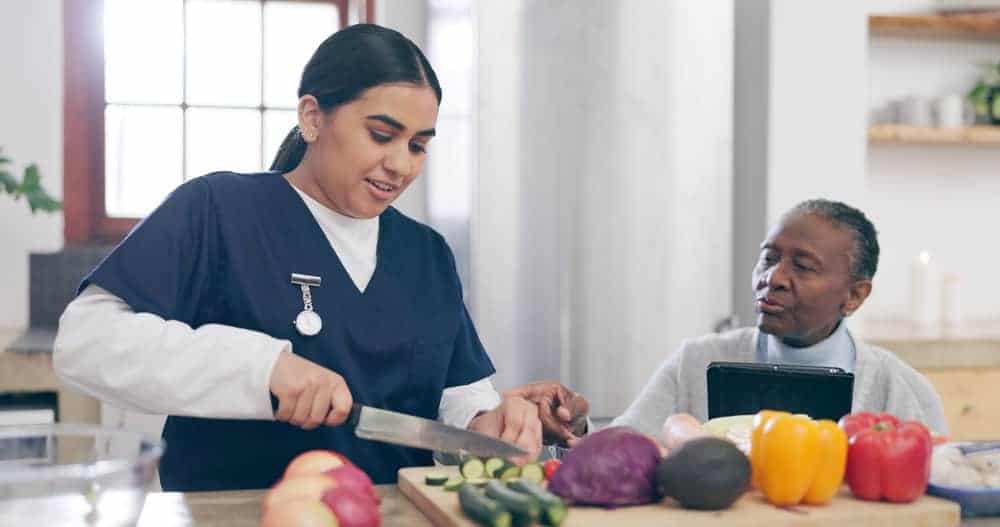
407	430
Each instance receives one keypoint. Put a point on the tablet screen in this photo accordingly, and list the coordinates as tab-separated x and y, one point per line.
738	388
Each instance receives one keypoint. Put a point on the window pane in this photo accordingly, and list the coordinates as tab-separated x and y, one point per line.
223	52
292	31
277	124
222	139
142	157
143	51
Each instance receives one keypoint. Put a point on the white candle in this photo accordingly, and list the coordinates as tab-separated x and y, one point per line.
951	300
924	292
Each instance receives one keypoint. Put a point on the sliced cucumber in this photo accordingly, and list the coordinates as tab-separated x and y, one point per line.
492	465
477	482
473	468
508	471
524	510
483	510
554	510
435	479
453	483
533	472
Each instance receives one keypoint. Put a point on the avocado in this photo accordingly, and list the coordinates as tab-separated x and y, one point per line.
708	473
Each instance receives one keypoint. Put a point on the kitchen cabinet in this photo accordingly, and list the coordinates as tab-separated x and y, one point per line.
962	362
971	400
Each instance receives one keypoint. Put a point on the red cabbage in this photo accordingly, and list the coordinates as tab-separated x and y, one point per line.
611	468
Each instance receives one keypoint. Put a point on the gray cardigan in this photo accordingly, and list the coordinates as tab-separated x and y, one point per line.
882	383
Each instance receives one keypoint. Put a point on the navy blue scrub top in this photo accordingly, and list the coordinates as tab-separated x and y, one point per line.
221	250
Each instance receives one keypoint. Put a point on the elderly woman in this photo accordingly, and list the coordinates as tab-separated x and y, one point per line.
815	268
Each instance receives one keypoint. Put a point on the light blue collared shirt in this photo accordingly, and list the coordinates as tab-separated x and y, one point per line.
837	351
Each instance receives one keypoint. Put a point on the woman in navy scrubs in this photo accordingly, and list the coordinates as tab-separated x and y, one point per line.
255	308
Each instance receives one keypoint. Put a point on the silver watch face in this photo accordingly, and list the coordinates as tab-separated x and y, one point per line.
308	323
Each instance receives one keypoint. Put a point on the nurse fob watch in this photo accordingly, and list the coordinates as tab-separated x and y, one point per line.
307	323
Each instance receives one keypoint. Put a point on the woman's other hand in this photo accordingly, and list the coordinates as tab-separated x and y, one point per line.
515	421
562	411
309	395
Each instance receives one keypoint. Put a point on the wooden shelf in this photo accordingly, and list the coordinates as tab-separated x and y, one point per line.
965	25
899	134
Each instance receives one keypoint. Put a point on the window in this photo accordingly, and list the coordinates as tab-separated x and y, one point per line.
161	91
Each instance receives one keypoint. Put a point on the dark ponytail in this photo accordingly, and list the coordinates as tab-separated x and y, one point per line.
291	152
346	64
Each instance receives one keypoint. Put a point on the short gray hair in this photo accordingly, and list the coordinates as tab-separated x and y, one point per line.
864	260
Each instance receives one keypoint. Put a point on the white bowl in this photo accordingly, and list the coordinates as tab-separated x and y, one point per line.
68	474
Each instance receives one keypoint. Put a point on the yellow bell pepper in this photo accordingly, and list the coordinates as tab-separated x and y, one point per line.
795	459
757	451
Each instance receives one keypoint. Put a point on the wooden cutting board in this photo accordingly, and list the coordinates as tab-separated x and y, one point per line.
442	508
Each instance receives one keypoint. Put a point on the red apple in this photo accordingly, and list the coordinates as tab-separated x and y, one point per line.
351	508
299	513
300	488
314	462
353	478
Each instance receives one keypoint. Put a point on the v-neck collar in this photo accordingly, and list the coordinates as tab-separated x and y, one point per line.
314	231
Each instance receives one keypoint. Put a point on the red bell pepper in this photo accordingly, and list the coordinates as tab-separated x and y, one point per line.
886	459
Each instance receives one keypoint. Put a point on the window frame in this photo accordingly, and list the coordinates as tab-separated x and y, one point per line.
85	220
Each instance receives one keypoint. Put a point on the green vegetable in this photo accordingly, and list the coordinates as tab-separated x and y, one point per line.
482	509
492	465
553	509
708	473
533	472
435	479
477	482
508	471
524	510
454	483
473	468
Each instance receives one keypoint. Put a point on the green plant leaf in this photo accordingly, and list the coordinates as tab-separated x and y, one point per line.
4	160
8	182
32	179
50	205
39	200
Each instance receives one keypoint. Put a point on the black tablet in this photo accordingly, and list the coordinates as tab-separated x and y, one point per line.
740	388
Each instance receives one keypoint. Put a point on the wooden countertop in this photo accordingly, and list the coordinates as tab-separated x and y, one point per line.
972	344
242	509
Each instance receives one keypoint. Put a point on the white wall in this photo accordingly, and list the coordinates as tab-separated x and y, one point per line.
816	146
409	17
942	199
30	132
825	81
601	233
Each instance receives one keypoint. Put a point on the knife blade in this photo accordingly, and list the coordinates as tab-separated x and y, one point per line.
407	430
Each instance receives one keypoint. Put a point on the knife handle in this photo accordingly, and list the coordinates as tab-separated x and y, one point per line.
354	416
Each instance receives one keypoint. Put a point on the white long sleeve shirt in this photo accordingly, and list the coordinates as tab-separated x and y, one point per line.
142	362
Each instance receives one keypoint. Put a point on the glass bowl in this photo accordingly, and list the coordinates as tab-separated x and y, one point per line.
66	474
